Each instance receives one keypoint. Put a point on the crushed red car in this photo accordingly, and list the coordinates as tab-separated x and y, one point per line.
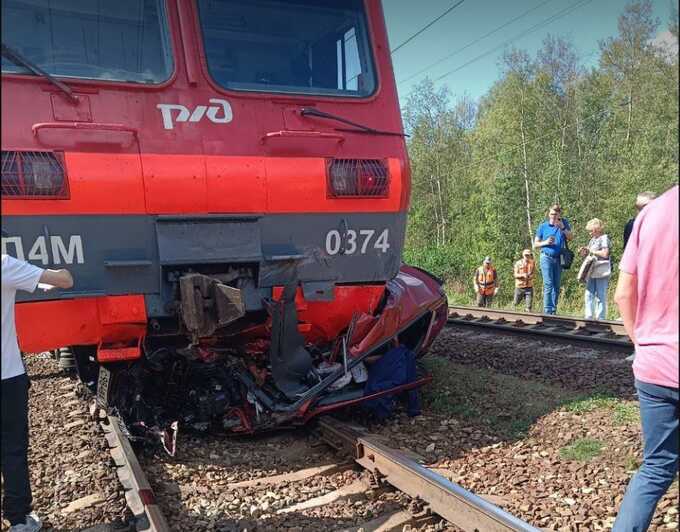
269	375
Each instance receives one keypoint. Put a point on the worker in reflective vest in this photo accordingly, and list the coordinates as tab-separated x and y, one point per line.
524	280
486	283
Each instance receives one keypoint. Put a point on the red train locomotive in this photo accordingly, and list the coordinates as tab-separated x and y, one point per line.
228	182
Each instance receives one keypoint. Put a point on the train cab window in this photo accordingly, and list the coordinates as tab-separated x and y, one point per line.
294	46
113	40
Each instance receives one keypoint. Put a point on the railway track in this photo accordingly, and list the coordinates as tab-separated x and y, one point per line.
139	495
457	505
431	493
591	331
436	494
306	486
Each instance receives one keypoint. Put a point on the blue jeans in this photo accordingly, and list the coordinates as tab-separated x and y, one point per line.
551	271
596	298
659	416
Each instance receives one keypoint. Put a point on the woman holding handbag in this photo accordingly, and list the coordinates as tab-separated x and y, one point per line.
598	278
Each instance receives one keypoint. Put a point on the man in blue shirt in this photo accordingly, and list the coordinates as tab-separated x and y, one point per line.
551	236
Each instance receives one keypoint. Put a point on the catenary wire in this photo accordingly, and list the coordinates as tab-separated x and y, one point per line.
535	27
475	41
421	30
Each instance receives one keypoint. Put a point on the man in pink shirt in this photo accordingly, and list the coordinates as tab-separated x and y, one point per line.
647	296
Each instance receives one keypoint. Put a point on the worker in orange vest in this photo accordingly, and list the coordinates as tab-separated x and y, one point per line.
486	283
524	280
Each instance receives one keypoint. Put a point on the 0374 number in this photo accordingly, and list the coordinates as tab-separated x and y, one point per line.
360	241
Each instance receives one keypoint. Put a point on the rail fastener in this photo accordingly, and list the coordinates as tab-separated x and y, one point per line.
139	495
447	499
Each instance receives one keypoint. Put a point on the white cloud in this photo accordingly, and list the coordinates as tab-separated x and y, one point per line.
666	42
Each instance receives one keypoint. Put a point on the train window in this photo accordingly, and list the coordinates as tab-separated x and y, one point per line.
121	40
295	46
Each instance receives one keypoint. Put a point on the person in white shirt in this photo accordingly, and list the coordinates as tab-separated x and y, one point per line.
17	499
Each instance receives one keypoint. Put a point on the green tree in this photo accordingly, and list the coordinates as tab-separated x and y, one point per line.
548	130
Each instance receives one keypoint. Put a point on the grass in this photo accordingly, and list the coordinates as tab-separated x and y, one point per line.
632	463
623	412
588	404
506	404
583	449
626	412
488	398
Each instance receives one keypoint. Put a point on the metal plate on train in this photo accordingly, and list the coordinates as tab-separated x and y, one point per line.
103	387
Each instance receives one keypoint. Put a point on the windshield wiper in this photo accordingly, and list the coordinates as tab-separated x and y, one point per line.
311	111
20	60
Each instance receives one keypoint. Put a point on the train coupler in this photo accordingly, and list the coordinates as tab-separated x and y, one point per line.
207	304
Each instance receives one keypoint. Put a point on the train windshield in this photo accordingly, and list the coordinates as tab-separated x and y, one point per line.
295	46
121	40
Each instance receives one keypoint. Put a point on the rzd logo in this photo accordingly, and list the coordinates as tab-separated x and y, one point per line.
41	247
183	114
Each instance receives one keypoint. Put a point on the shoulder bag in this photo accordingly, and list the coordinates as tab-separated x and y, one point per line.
586	269
566	256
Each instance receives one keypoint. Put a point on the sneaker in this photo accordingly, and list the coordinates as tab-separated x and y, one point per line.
32	523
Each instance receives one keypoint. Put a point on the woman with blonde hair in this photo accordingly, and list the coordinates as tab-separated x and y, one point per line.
598	278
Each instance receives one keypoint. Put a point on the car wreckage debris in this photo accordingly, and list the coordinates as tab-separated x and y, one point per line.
265	375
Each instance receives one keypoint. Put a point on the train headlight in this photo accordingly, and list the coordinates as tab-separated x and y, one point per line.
357	178
342	176
33	174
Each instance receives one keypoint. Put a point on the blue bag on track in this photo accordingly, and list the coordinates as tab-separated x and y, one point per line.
396	368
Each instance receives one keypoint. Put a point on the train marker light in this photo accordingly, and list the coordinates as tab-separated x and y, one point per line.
33	174
358	178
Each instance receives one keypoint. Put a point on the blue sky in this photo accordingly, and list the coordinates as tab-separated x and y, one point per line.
585	23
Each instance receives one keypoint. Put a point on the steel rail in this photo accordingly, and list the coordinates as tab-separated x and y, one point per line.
451	501
572	328
139	496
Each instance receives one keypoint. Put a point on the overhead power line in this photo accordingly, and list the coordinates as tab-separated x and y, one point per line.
421	30
475	41
545	22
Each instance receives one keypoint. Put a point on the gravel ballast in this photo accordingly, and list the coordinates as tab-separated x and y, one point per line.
74	485
550	432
